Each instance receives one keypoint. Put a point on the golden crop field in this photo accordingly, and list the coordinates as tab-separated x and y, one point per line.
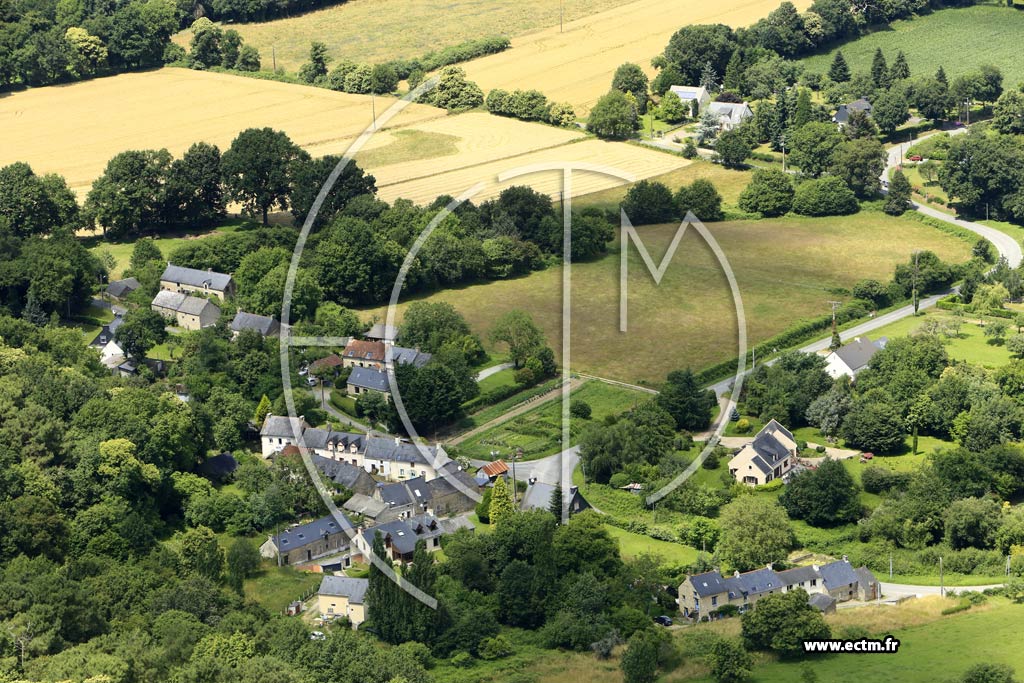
75	129
638	162
577	65
374	31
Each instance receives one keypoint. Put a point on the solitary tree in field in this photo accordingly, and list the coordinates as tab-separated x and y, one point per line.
630	78
613	117
898	200
839	71
517	329
257	169
315	69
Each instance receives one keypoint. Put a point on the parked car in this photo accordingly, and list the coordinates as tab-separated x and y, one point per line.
311	381
914	157
317	635
663	620
303	370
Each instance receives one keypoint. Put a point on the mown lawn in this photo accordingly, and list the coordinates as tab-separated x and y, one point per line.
499	379
787	269
633	545
959	40
167	243
539	431
971	345
409	145
275	587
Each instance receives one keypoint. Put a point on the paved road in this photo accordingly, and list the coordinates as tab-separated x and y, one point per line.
546	470
345	419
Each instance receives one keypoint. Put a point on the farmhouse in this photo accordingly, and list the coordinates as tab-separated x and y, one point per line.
446	494
363	354
119	289
111	353
363	380
341	596
181	279
692	94
187	312
388	458
538	497
352	477
372	510
278	432
842	115
266	326
771	455
730	115
826	584
400	536
309	541
852	357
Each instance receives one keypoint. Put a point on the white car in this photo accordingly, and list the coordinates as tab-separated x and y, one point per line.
317	635
303	370
311	381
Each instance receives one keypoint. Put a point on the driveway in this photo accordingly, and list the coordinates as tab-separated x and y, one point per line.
890	590
547	470
493	370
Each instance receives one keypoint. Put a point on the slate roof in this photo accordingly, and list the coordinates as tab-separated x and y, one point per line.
837	574
758	581
343	586
322	439
106	333
821	601
865	577
395	495
442	485
708	583
181	302
770	450
402	533
537	496
400	354
120	288
370	378
279	425
379	448
364	505
793	577
250	321
731	111
859	352
304	534
196	278
350	476
843	112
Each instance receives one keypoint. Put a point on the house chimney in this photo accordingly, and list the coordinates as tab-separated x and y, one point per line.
768	566
846	559
814	567
573	490
398	441
736	573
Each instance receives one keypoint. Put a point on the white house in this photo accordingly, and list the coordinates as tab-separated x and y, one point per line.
279	431
690	94
852	357
730	114
771	455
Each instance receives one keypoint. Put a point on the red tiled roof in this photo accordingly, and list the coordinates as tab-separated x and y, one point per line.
331	361
495	468
365	350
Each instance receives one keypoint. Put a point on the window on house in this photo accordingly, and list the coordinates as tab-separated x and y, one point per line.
814	582
714	600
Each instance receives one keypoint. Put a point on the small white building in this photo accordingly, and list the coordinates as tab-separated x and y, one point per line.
690	94
771	455
852	357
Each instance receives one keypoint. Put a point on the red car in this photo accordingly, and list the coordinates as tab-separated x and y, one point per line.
915	157
867	456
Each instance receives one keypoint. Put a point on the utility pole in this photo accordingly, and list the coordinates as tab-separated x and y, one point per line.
835	306
942	589
917	253
273	56
373	109
561	14
890	566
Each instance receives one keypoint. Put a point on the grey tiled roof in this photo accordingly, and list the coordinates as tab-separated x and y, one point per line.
858	353
708	583
837	574
538	496
395	495
402	355
279	425
321	439
343	586
369	378
196	278
178	301
821	601
250	321
120	288
310	532
379	448
364	505
350	476
793	577
759	581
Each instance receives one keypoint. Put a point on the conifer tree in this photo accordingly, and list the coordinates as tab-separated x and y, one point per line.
839	71
879	70
501	502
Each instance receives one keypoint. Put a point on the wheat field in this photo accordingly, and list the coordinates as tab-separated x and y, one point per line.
576	65
618	157
75	129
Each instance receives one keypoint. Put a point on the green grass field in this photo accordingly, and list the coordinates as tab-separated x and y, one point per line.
499	379
787	269
633	545
971	345
538	431
122	251
959	40
275	587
